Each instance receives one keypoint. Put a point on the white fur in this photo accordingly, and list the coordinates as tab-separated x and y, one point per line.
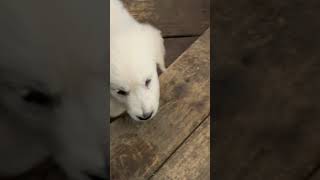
135	51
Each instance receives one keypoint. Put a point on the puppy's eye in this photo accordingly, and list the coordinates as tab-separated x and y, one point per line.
38	98
147	83
123	93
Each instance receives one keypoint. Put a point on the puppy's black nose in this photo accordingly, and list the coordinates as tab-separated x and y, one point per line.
145	116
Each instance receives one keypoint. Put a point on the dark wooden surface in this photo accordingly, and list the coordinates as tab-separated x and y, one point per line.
267	89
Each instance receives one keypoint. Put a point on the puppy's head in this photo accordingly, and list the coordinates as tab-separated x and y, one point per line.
135	54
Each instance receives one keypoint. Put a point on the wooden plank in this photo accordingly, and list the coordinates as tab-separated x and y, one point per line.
191	160
174	18
176	46
267	90
137	150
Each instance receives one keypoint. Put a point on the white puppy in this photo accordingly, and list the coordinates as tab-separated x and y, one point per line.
135	51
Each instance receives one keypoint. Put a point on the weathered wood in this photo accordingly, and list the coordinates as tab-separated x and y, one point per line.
137	150
176	46
174	18
267	89
192	160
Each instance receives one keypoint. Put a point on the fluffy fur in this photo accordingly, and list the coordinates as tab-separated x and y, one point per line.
135	51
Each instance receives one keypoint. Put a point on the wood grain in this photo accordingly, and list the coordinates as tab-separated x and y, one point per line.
137	150
174	18
192	160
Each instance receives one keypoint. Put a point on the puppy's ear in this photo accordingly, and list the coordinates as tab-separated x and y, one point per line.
158	46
